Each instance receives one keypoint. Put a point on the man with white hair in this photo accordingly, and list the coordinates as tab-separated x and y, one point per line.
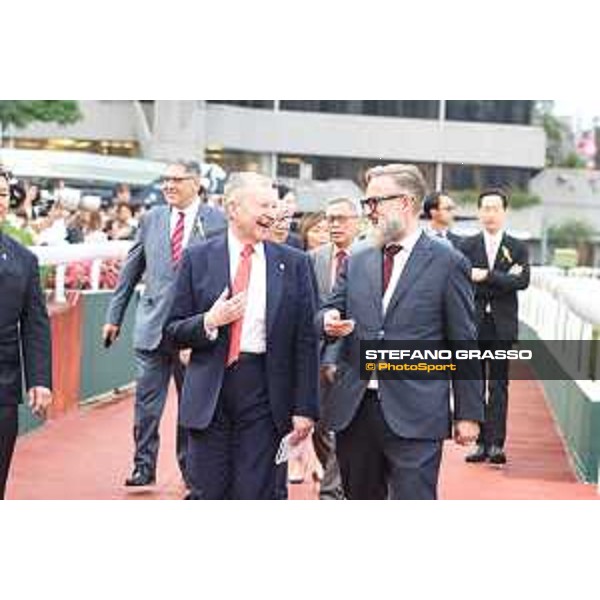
245	306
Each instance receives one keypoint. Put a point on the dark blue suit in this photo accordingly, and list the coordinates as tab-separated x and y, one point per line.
25	344
406	420
262	392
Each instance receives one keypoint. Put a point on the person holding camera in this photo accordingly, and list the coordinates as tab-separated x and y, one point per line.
25	342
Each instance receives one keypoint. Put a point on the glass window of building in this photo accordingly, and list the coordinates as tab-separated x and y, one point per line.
517	112
266	104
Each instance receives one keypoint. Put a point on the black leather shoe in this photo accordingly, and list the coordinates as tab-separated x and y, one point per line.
140	478
496	455
478	456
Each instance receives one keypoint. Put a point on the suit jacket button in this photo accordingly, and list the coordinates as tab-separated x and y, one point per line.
380	334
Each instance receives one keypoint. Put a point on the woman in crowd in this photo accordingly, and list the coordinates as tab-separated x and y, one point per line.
314	230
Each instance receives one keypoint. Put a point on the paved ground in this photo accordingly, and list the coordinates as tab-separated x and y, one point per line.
86	455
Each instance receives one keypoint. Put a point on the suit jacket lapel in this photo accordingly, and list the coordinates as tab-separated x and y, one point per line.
326	259
413	269
374	275
220	265
198	229
482	258
276	271
164	231
499	254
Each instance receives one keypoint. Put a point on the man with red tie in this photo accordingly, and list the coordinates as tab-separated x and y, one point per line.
163	234
343	220
245	306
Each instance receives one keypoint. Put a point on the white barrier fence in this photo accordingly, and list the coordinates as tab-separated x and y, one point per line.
62	255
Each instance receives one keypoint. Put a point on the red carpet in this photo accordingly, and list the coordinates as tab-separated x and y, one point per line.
87	455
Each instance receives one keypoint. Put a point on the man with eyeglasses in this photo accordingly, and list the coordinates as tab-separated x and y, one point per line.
439	209
343	220
163	234
25	339
389	432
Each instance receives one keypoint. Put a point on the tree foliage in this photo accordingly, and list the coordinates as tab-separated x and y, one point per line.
572	233
20	113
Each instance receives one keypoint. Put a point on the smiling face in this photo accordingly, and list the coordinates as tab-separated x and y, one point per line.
180	186
252	212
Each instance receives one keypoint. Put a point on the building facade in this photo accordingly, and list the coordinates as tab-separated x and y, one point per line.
459	144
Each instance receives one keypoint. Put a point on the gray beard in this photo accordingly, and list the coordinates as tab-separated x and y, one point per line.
389	231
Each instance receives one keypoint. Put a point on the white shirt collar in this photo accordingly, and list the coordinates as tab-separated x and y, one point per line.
190	211
493	238
408	243
236	247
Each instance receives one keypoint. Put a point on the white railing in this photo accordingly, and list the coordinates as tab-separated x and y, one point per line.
62	255
561	307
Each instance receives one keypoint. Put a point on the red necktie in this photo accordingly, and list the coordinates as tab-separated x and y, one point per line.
240	284
341	257
389	253
177	239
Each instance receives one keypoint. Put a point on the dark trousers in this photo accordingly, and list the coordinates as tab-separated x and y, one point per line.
234	457
495	376
8	436
324	441
377	464
155	368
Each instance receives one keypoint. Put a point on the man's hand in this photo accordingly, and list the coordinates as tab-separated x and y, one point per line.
184	356
335	326
225	311
515	270
328	373
40	398
466	432
479	275
110	333
301	429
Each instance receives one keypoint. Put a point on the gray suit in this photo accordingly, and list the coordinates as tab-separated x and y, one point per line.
433	300
150	256
322	259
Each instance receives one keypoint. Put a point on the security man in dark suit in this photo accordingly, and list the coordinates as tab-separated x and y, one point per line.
24	332
439	209
500	268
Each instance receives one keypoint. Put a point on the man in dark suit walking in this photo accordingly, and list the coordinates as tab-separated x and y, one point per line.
438	209
246	308
156	254
24	337
408	286
500	268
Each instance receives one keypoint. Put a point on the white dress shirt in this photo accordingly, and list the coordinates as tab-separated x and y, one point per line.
191	214
492	245
254	325
400	260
